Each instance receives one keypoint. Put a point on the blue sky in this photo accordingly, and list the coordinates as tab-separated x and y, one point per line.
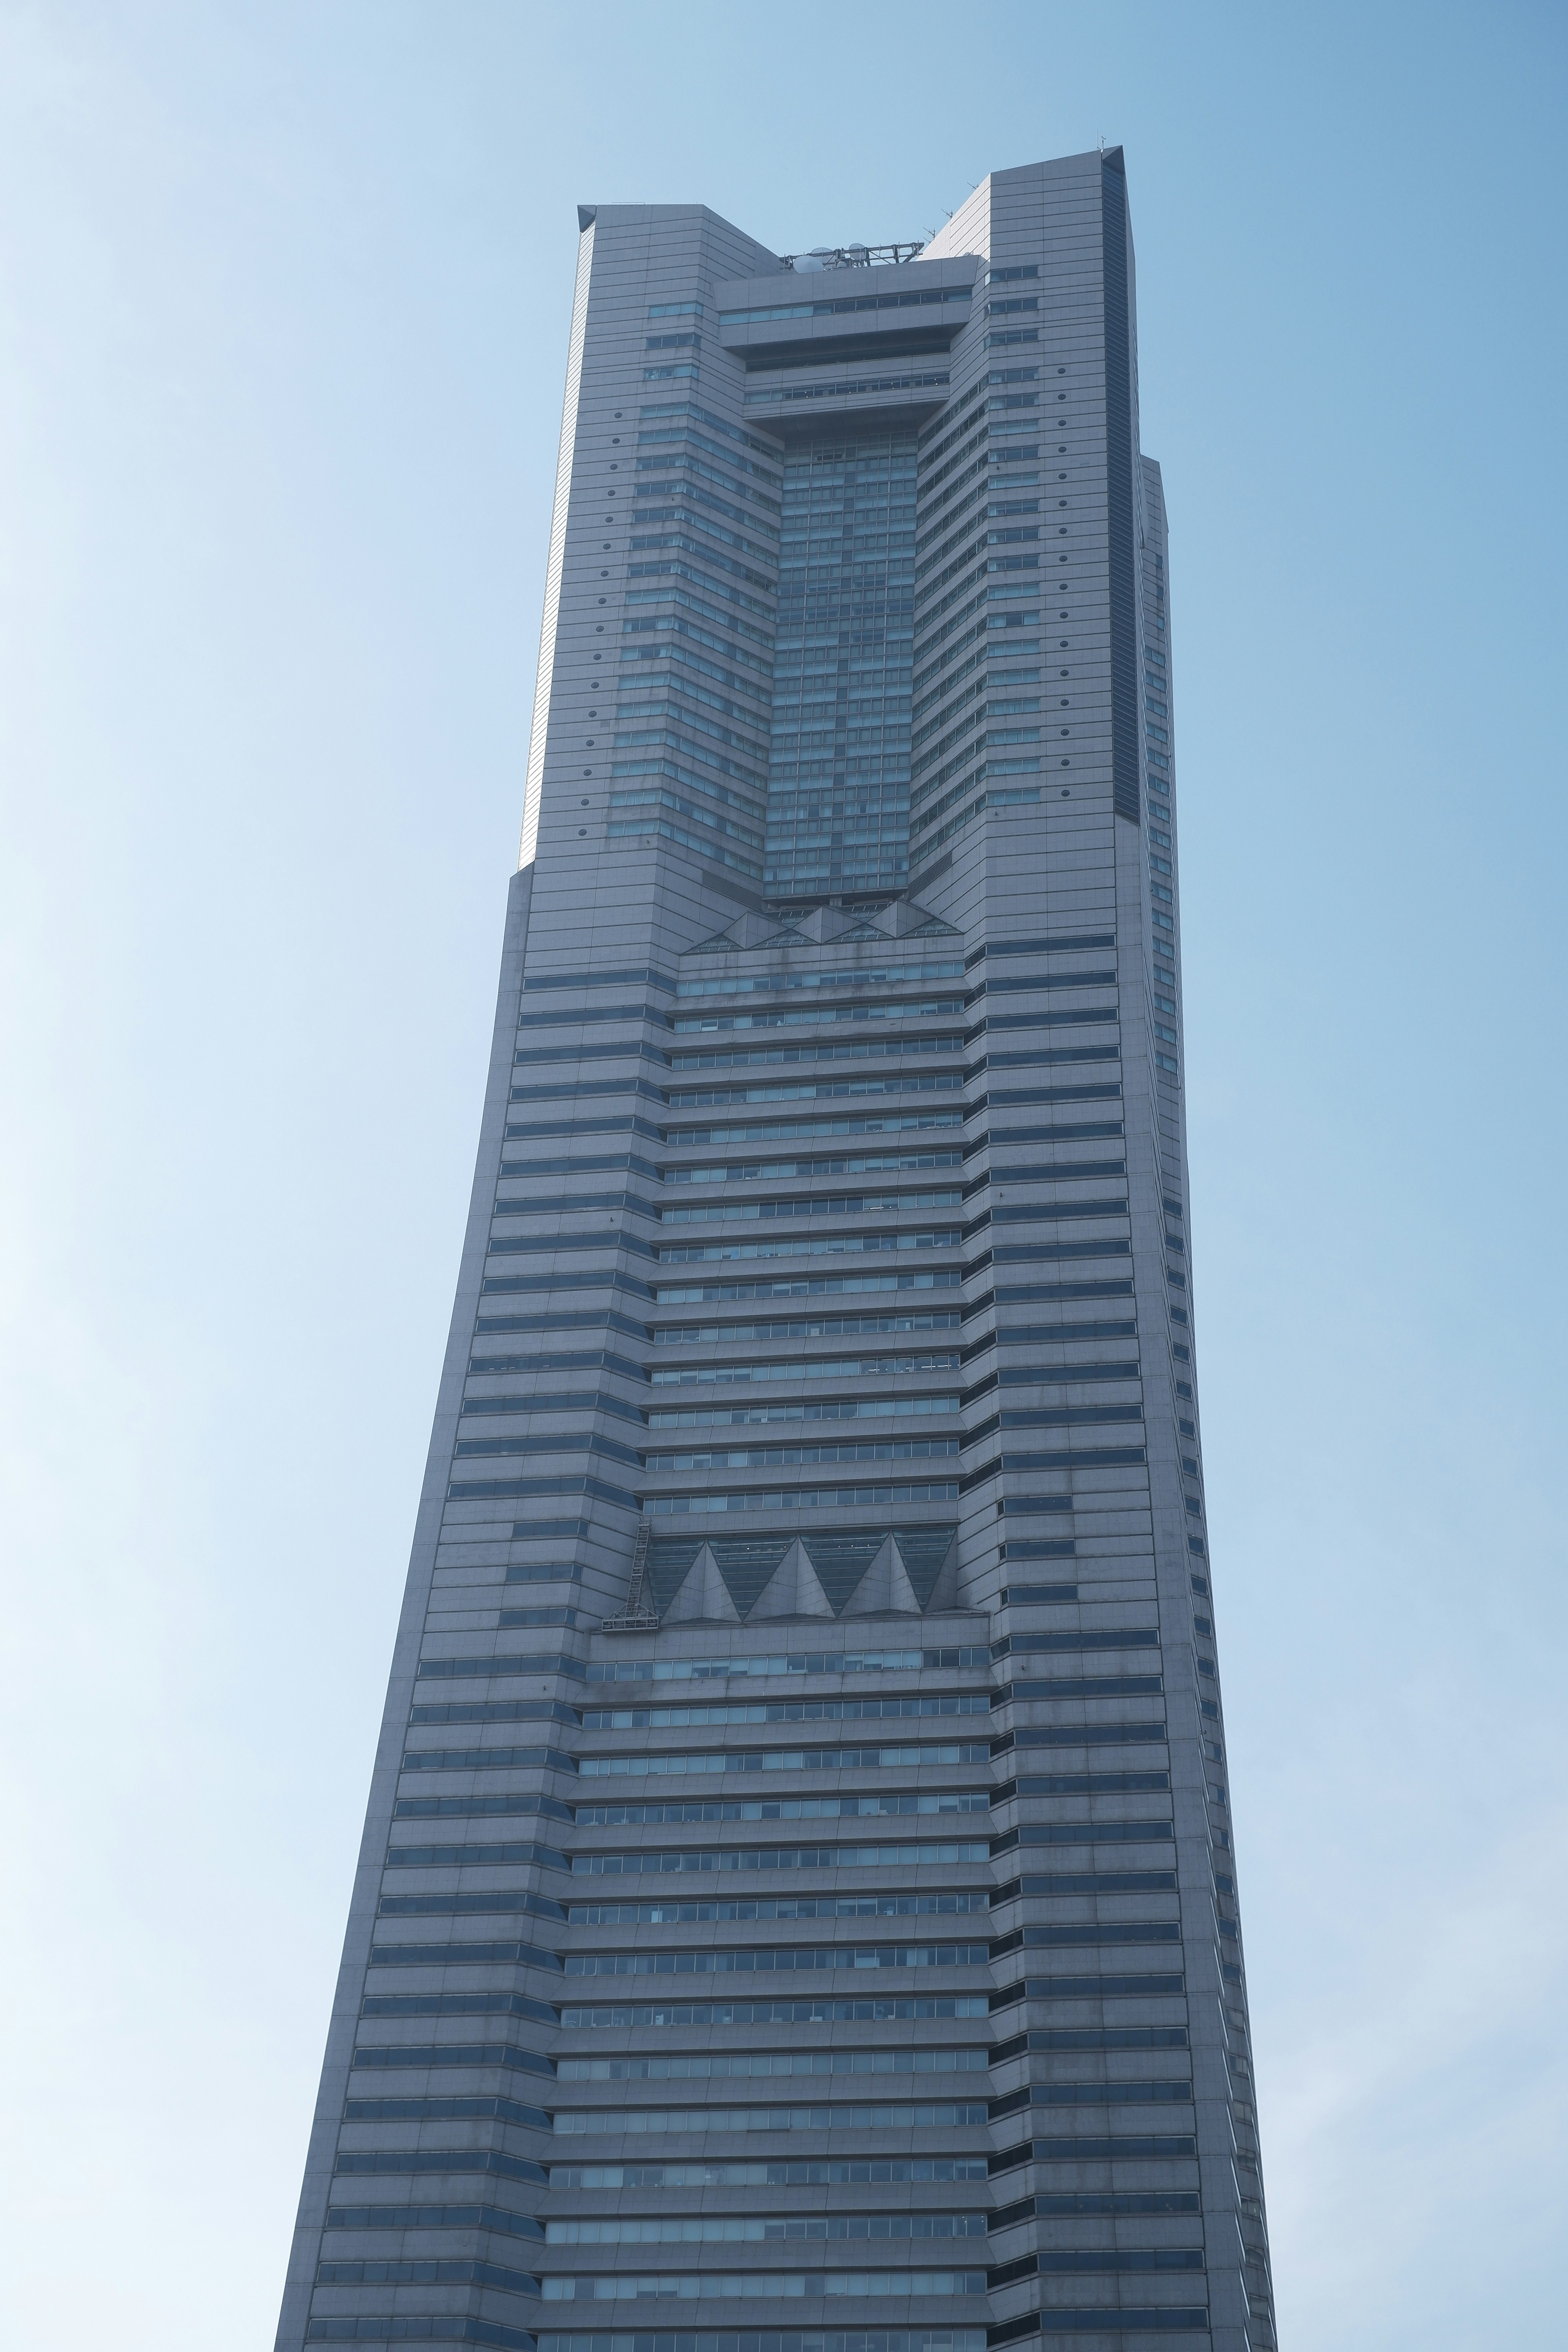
283	302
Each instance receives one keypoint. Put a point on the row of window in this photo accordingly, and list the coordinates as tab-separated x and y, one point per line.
730	2230
624	2286
826	1710
805	1662
749	1960
799	1760
778	2012
779	2172
784	1808
896	2116
642	1860
972	1903
715	2065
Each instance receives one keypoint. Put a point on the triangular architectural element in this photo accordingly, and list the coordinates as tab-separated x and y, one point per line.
793	1591
841	1561
746	1563
703	1597
668	1564
873	1596
908	920
923	1551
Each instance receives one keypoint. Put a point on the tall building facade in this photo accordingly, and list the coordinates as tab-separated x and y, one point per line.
797	1909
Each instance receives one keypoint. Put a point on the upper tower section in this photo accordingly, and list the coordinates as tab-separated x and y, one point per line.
644	319
1056	239
800	501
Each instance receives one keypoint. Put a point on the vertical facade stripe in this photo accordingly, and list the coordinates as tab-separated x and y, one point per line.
1119	498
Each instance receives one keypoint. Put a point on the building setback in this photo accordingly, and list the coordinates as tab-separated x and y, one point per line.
797	1909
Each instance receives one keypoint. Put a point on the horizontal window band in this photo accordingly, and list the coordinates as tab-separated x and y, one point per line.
706	1860
803	1499
808	1958
1051	1054
1158	2319
611	1049
912	298
1092	2095
496	1902
826	1090
661	1764
1122	2147
1060	1883
508	1953
401	2329
1081	1457
714	2065
624	976
497	2218
820	1286
685	1910
547	1530
507	2110
1036	1253
1078	1457
505	2055
1076	1686
534	1131
1037	1293
680	1058
772	2339
626	2287
1106	1932
721	1667
1016	1098
607	1448
571	1278
1088	1637
1046	943
637	1089
799	1244
796	1457
906	1707
844	391
689	2229
930	341
1090	1735
895	2117
456	1809
1120	1986
612	1238
363	2161
480	1490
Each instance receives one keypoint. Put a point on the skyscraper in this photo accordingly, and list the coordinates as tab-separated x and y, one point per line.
815	1512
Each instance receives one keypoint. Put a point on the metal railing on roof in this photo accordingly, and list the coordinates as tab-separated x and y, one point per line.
850	256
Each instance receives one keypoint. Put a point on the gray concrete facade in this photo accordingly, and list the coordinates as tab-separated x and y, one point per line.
827	1324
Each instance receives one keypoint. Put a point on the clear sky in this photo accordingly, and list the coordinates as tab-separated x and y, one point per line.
284	292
